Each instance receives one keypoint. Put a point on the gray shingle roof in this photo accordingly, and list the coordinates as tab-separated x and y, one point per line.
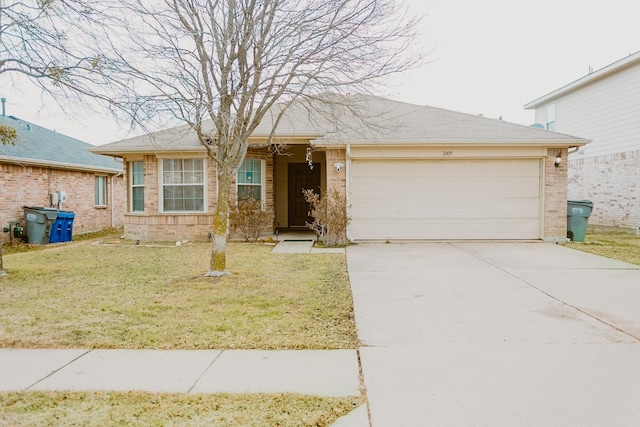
363	120
43	146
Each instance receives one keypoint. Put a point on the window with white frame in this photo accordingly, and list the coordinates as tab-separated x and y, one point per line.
551	117
101	190
183	185
249	179
137	186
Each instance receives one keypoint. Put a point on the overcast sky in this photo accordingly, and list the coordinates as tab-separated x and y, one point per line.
488	57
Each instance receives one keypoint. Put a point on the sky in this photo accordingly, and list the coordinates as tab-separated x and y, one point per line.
485	57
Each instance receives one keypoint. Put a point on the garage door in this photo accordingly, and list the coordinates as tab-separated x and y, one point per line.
445	199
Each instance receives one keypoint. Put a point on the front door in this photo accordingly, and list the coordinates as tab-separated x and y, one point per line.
301	177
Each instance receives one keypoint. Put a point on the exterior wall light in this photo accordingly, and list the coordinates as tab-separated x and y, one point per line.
558	160
338	166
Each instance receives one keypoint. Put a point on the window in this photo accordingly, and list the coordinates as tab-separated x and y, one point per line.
183	185
137	186
551	117
101	190
249	179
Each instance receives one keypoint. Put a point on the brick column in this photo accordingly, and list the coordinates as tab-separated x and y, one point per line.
555	196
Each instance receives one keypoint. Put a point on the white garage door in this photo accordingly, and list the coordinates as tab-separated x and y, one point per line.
445	199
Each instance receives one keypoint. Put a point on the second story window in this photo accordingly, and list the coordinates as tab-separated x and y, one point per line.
551	117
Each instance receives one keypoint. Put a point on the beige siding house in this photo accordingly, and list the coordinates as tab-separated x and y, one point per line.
409	172
603	106
44	162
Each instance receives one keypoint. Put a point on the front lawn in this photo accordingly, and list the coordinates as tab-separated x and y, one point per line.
116	294
147	409
611	242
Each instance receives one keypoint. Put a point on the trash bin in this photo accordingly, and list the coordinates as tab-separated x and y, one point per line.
578	212
62	227
39	222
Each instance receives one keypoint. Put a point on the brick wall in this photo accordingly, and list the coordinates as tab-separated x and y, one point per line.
555	196
153	225
23	185
612	183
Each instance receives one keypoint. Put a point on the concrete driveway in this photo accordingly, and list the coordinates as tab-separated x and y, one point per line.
496	334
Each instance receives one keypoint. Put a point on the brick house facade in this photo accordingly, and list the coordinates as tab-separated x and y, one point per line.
418	173
43	162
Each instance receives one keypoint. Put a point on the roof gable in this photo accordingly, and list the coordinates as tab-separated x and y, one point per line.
603	73
43	146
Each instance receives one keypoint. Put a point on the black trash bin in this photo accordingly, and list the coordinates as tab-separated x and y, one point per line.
578	212
39	221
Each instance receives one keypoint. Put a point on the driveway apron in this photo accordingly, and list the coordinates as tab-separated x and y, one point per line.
496	334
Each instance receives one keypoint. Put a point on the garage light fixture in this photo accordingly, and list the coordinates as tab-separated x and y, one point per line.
558	160
338	166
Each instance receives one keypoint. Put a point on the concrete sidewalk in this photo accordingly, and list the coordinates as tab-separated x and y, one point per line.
314	372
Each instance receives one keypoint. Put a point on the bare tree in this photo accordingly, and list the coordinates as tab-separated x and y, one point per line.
8	135
45	41
221	65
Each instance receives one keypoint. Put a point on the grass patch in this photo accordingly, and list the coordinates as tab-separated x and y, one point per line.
146	409
611	242
122	295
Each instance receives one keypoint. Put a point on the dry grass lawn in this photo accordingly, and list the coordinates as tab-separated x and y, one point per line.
116	294
112	293
145	409
611	242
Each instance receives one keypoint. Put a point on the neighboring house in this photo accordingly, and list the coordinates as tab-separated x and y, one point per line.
603	106
410	172
42	163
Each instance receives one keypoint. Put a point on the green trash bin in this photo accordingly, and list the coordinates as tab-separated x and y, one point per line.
39	222
578	212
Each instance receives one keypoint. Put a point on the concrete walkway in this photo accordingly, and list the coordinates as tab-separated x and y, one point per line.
496	334
301	242
314	372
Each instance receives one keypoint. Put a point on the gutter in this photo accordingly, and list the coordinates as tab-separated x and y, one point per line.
585	80
554	143
59	165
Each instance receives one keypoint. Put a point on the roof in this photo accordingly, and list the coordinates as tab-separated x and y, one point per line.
629	61
40	146
362	120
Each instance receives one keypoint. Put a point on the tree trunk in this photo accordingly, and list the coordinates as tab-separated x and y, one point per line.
218	263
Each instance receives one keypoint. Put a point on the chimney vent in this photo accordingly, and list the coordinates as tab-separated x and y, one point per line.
3	100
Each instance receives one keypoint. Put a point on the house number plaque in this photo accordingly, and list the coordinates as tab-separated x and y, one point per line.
446	153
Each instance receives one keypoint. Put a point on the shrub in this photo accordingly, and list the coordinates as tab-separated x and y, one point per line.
329	214
248	219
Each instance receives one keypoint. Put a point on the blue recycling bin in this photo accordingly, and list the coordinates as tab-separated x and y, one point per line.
62	227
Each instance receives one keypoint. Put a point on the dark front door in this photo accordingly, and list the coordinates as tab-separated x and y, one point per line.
301	177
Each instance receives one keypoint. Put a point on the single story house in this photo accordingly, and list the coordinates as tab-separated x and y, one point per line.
43	164
604	106
409	172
